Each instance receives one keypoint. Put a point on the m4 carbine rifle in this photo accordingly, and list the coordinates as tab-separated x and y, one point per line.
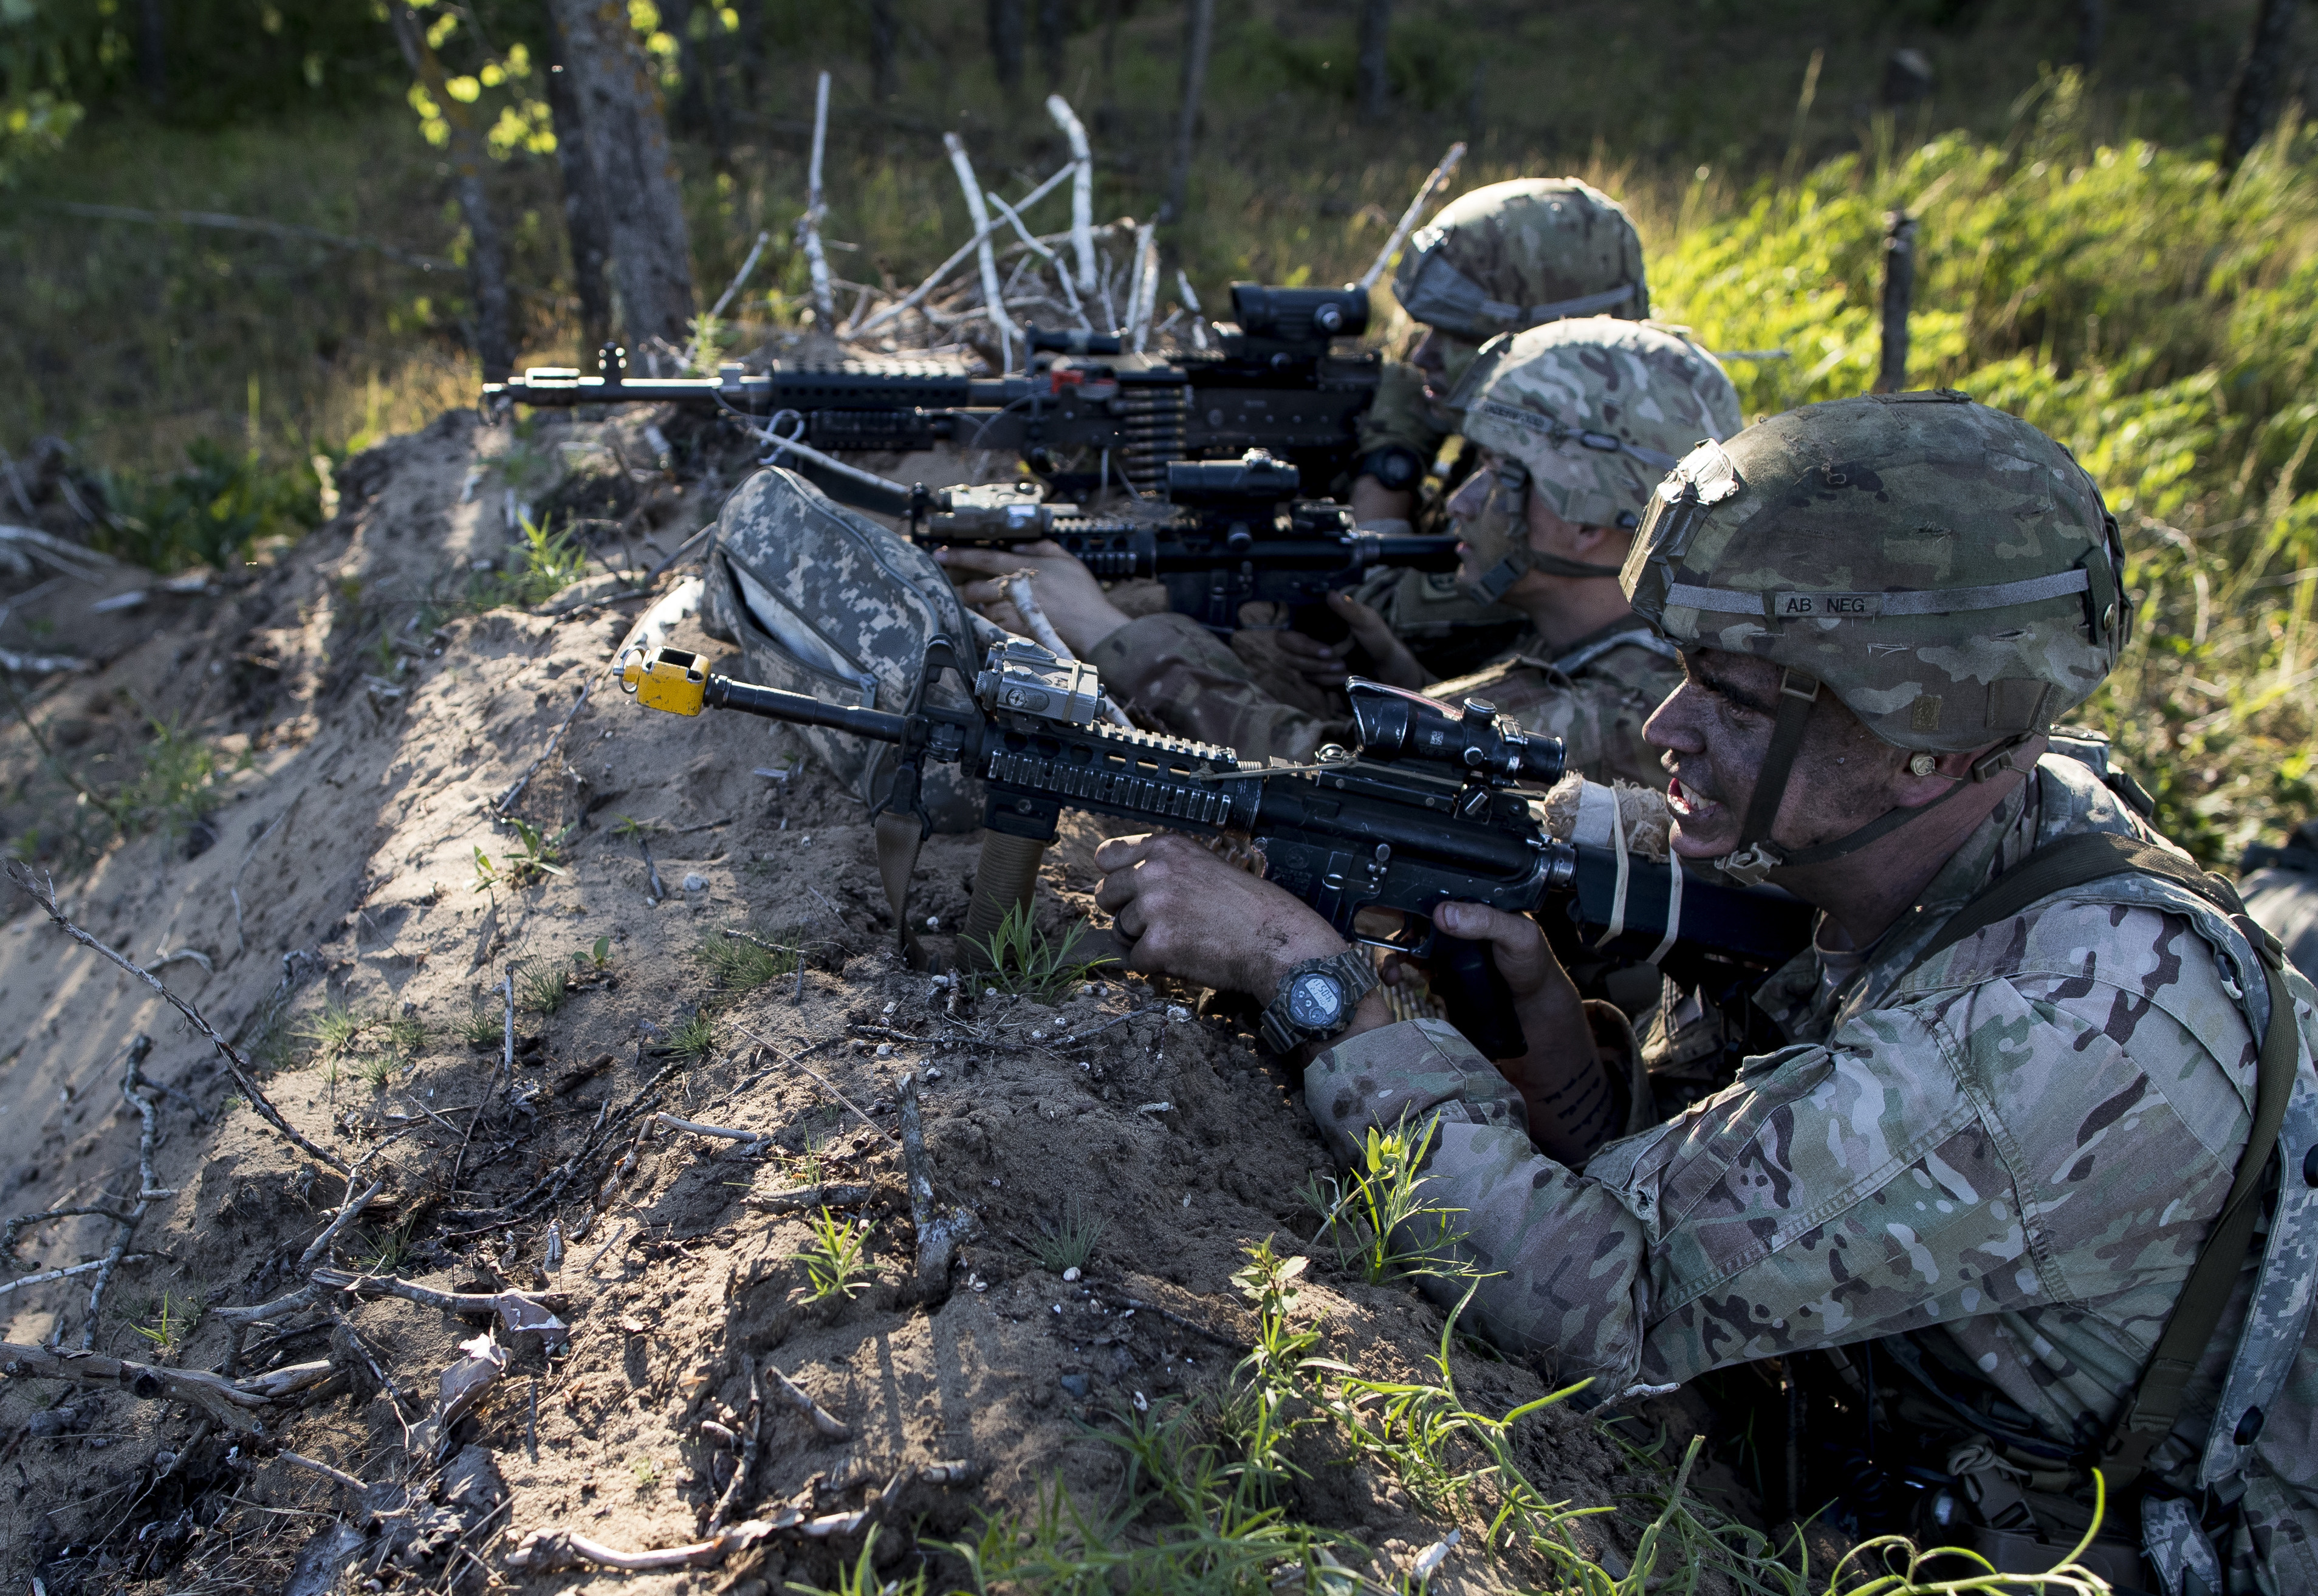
1272	384
1426	810
1229	531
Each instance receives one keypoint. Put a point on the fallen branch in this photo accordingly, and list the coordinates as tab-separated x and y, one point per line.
304	1297
697	1129
546	1551
148	1191
523	781
517	1309
23	1222
1081	171
45	895
825	1195
25	544
1432	185
45	1275
939	1233
318	1466
825	1422
346	1214
41	664
288	1380
885	313
748	1459
228	1403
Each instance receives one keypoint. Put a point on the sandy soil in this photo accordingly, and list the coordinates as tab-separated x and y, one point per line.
338	876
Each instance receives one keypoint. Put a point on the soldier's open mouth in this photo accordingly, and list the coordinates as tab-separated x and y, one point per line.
1687	803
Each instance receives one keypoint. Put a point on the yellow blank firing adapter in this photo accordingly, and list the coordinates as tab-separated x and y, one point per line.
666	679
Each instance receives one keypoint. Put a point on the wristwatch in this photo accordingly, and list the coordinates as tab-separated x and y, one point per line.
1317	998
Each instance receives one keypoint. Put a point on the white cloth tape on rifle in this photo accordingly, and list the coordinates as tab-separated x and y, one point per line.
1674	911
1625	871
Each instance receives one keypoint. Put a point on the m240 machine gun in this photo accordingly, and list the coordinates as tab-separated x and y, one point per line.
1429	807
1229	532
1273	383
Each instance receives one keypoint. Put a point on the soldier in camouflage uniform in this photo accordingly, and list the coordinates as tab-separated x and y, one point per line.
1574	422
2281	891
1497	260
2008	1117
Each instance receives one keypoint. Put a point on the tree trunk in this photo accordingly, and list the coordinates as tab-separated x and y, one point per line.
626	137
1198	34
2255	101
883	33
152	53
583	203
1054	39
1005	20
1375	74
486	252
753	52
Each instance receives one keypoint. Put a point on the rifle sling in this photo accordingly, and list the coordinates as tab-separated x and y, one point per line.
2077	861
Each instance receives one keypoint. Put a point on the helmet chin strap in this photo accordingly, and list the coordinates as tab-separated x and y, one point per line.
1520	559
1756	855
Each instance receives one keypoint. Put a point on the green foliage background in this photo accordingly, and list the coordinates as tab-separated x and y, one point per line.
2081	261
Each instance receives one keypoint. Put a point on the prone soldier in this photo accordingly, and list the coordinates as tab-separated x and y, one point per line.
2043	1082
1574	423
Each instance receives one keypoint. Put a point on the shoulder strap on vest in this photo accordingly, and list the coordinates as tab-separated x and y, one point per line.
2077	861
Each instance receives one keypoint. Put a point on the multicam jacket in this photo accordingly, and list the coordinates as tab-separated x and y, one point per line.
2006	1156
1593	696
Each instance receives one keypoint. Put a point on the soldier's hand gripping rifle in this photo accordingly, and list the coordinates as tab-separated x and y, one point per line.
1229	531
1429	808
1273	383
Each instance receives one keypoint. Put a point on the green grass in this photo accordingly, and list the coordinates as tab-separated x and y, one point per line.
169	1320
1070	1239
834	1266
695	1039
544	989
740	963
1375	1216
546	563
1021	960
382	1252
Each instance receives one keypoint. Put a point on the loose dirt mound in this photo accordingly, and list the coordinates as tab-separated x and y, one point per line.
337	923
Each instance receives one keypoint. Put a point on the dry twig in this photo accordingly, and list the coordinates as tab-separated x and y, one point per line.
825	1422
44	893
228	1403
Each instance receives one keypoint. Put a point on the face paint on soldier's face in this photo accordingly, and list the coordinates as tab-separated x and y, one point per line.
1490	513
1444	358
1715	731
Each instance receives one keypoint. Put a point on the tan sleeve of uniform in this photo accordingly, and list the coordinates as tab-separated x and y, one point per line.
1173	670
1598	714
1401	414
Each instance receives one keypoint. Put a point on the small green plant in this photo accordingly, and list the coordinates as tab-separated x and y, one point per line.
739	962
487	874
599	955
862	1578
377	1071
543	853
177	788
628	826
544	989
548	562
335	1031
169	1320
1070	1240
833	1259
647	1473
1377	1219
482	1027
1019	960
382	1252
695	1039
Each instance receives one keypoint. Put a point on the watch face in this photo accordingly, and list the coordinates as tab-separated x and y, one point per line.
1315	998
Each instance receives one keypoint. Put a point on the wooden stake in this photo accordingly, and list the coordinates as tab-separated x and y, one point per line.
1899	290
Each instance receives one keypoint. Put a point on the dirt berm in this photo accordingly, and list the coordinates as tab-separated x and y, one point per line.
351	912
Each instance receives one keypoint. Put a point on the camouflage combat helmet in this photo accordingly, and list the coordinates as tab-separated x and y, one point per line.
1590	413
1513	254
1948	572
